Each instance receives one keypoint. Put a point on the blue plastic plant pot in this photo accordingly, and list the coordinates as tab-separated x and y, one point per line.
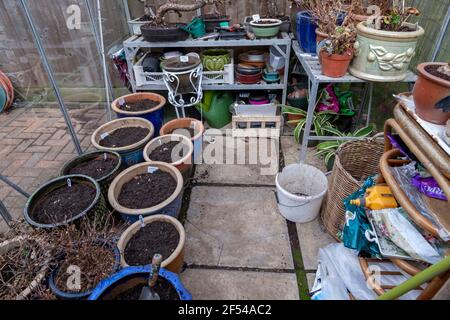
133	157
173	210
81	295
106	287
306	31
155	117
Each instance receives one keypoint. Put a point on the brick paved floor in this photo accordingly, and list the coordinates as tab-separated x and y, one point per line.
34	145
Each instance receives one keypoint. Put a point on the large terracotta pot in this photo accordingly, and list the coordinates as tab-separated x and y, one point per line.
335	65
428	91
383	56
320	36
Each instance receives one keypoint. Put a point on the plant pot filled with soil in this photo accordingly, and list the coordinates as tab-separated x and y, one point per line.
102	166
432	91
382	55
147	105
161	234
335	65
65	200
191	128
266	28
127	137
147	189
186	85
174	149
127	284
24	263
97	260
164	33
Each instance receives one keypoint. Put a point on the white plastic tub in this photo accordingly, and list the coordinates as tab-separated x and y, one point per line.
300	192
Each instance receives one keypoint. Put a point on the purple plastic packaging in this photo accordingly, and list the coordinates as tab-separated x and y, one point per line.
429	187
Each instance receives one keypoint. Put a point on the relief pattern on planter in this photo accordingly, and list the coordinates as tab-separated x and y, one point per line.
388	60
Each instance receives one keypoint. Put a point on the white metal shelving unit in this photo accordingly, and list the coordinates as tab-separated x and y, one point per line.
282	43
313	69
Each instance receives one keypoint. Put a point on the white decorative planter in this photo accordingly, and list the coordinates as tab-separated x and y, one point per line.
383	56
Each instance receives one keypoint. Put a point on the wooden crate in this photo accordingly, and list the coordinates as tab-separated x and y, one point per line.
256	126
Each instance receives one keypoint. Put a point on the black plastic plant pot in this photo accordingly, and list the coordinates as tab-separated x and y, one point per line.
66	295
106	180
96	209
212	22
152	33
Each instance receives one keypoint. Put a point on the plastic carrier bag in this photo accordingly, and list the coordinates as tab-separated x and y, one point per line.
357	229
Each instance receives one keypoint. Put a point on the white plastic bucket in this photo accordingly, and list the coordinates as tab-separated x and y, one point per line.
300	191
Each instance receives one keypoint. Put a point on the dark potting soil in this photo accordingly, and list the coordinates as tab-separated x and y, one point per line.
145	18
164	152
96	168
183	132
147	190
214	17
167	26
263	22
156	237
63	203
163	288
138	106
433	70
123	137
95	262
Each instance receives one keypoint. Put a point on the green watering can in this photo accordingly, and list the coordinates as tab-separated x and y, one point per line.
215	108
196	28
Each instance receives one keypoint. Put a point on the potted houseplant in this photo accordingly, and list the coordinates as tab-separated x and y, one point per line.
126	136
385	45
266	27
159	30
432	91
336	52
359	11
102	166
155	234
127	284
174	149
328	149
65	200
147	189
320	120
145	105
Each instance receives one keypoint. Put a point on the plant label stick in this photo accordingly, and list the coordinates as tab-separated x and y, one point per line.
184	58
152	170
256	17
104	135
69	183
141	219
105	156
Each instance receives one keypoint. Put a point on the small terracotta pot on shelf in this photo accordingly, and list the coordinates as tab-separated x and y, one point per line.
428	91
335	65
320	36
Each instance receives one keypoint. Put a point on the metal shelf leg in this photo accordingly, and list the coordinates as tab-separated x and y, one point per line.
309	120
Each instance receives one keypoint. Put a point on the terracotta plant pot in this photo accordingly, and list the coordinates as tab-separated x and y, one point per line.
183	164
184	123
294	117
175	261
320	36
335	65
428	91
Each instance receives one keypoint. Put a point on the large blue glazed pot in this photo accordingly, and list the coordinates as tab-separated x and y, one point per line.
155	115
132	154
125	278
306	31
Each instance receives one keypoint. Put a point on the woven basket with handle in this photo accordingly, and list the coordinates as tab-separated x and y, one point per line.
355	162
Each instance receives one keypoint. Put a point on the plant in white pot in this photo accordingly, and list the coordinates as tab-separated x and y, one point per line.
385	45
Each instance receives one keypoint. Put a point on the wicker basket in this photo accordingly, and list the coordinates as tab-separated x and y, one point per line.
355	162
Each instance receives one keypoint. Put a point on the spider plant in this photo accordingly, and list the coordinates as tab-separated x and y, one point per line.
327	149
320	120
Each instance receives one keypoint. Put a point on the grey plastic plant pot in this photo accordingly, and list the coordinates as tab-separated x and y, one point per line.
96	208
